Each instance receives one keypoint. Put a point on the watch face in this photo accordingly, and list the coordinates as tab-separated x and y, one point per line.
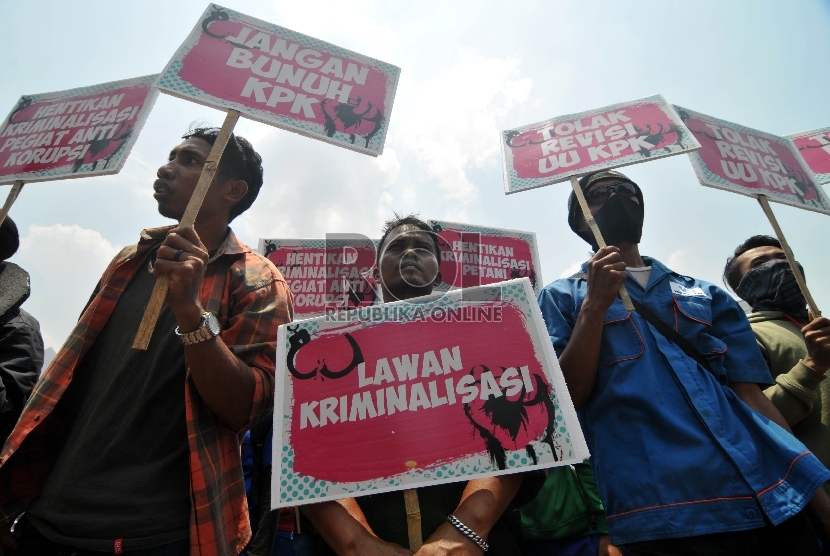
213	324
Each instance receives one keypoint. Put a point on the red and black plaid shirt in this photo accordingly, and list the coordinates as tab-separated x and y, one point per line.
251	299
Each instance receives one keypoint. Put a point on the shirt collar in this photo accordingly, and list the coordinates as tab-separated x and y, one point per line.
231	245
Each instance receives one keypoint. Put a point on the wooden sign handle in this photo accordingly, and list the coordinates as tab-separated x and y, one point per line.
589	218
15	191
802	283
413	519
153	309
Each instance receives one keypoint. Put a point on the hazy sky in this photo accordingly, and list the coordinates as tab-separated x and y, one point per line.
469	69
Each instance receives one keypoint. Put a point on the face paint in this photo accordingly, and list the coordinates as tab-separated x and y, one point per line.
772	287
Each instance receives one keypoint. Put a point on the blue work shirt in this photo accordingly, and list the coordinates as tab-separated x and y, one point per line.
676	453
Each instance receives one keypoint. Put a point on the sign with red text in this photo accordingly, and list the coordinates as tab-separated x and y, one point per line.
286	79
420	392
478	255
325	274
815	148
576	144
751	162
76	133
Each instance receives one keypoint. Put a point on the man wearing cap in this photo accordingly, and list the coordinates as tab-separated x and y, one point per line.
685	447
21	346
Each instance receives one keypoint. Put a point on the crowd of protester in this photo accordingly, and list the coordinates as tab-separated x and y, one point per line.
709	431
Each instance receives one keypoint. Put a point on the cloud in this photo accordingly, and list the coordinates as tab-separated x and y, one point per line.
65	263
450	121
312	188
351	25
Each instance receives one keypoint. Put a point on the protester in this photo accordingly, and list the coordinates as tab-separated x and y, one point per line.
795	346
21	345
124	450
685	447
407	267
567	517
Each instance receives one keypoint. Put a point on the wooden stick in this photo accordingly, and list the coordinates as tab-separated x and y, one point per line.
790	257
15	191
413	519
153	309
589	218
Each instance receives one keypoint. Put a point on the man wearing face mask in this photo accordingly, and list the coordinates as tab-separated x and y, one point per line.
689	455
795	346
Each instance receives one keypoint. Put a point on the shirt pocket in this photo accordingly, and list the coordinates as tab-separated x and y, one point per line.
621	341
693	320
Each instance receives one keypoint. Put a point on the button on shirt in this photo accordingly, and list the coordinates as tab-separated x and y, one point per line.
676	453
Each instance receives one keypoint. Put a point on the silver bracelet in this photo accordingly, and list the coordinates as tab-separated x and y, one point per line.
469	533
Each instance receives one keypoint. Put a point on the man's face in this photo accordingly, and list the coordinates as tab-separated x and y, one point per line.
178	178
601	191
408	265
758	256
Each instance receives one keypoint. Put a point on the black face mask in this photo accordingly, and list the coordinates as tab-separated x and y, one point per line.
772	287
619	219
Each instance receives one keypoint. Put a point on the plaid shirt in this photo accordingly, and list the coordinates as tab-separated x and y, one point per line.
251	299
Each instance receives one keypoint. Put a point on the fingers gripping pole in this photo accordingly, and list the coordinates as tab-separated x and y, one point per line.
15	191
802	283
589	218
151	313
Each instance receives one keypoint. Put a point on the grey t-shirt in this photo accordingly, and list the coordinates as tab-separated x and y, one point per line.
123	472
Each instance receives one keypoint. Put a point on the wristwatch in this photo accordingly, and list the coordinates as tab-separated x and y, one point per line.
208	328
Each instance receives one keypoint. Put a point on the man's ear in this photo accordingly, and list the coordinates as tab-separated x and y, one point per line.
376	274
438	279
235	190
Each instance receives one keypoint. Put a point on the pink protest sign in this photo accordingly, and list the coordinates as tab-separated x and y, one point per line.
285	79
478	255
751	162
76	133
815	148
419	392
325	275
576	144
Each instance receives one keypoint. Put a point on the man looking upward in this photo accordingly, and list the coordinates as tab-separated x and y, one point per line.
121	450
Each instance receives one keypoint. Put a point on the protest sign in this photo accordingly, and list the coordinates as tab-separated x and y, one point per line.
75	133
815	148
576	144
751	162
479	255
420	392
325	274
286	79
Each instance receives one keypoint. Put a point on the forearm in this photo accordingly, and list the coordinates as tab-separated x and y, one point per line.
579	360
795	392
341	523
751	394
485	500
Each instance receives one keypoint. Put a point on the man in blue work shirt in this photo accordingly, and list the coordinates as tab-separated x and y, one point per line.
689	460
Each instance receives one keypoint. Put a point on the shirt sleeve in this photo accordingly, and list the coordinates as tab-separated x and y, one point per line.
558	316
251	334
21	358
743	360
795	392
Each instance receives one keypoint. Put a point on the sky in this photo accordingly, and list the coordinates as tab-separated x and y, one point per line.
468	70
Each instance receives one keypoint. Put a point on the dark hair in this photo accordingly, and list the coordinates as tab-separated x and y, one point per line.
408	220
239	161
731	274
9	239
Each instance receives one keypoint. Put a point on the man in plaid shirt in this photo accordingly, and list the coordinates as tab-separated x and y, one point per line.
120	450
